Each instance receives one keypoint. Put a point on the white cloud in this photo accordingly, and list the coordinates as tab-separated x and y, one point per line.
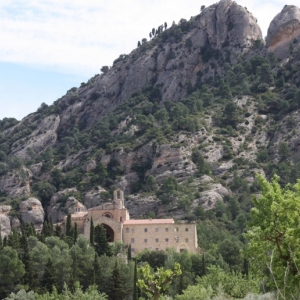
81	36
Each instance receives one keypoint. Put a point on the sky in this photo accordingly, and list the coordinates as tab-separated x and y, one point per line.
50	46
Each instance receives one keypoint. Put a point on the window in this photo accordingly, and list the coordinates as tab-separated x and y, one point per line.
132	230
176	229
156	240
176	238
145	241
132	250
132	240
156	229
167	239
156	249
181	250
145	229
127	230
186	229
186	240
167	229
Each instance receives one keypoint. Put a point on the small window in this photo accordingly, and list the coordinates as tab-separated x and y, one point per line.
176	229
156	249
132	230
167	239
145	241
167	229
145	229
127	230
186	240
176	239
156	229
132	240
156	240
132	250
186	229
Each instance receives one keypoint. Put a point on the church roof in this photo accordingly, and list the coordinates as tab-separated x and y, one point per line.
148	221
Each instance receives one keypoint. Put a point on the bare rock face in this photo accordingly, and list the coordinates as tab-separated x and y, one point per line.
16	183
224	28
42	137
94	197
140	206
89	166
73	205
283	31
5	220
32	211
56	208
36	169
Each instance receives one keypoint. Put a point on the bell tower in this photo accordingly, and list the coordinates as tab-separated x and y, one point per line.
119	198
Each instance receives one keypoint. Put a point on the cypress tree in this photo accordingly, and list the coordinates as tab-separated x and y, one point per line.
129	253
13	239
51	229
4	241
100	241
135	295
75	233
203	265
116	291
92	229
26	259
69	225
1	243
58	231
48	281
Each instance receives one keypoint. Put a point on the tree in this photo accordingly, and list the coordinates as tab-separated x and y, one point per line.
11	271
48	280
92	230
166	25
202	7
156	284
69	229
104	69
274	236
100	241
283	151
116	284
139	44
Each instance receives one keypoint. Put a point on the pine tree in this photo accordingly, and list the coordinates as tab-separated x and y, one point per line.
139	44
116	291
13	239
92	230
48	281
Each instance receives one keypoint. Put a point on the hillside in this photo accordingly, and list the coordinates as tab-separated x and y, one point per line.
182	124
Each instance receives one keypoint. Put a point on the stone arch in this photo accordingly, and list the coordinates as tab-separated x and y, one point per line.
113	228
183	246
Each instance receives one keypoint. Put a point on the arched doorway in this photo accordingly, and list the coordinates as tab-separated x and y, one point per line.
110	235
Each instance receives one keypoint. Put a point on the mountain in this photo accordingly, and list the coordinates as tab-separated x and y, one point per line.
182	124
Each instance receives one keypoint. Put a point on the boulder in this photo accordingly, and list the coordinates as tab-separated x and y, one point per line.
31	211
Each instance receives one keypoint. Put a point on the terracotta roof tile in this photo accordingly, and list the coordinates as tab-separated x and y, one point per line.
149	221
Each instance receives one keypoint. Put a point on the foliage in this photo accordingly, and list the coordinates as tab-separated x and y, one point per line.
274	235
156	284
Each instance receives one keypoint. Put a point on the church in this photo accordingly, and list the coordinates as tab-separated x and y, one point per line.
141	234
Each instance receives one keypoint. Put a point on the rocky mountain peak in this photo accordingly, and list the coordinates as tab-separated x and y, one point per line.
284	30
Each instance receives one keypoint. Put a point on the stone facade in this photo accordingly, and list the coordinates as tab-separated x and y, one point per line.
152	234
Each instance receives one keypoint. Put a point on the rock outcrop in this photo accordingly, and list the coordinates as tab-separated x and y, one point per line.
16	183
5	220
31	211
284	31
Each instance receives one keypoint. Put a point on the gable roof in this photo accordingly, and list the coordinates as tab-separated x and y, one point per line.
148	221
